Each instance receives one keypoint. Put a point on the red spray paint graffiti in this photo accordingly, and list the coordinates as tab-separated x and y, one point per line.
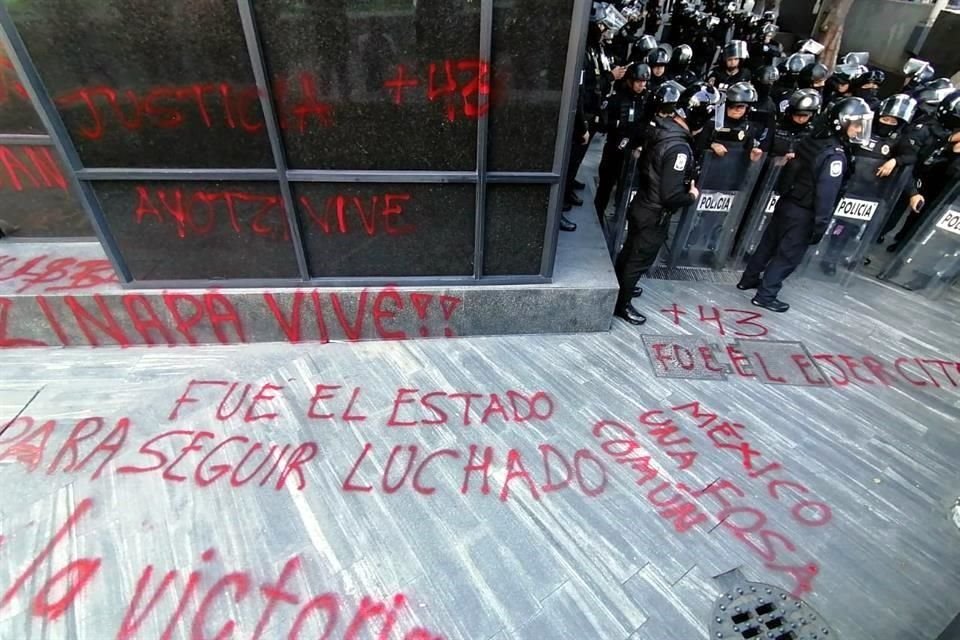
51	591
52	274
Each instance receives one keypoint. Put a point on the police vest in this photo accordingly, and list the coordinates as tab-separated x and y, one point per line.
797	181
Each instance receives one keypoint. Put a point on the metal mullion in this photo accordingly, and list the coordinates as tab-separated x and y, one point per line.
273	131
60	138
504	177
213	175
483	128
25	139
568	108
426	177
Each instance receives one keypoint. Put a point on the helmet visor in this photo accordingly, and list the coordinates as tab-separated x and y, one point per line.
858	128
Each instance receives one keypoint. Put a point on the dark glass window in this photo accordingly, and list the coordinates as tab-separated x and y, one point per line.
34	196
529	55
393	89
199	230
16	112
515	228
387	229
142	83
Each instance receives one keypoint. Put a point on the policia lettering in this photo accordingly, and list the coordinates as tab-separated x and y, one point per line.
810	188
665	187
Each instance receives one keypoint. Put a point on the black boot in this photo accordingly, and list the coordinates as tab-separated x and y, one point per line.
566	225
574	199
578	185
773	305
637	292
747	285
630	314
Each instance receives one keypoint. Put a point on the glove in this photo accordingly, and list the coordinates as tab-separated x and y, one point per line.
817	235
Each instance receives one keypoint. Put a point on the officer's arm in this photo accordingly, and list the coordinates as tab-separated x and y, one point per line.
829	182
674	190
905	151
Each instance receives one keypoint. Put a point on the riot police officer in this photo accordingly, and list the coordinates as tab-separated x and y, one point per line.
810	187
736	127
796	122
657	60
938	146
766	51
867	86
731	72
765	110
889	143
642	48
680	65
626	123
667	187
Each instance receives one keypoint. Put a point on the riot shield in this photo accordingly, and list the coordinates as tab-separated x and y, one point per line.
615	228
930	261
856	223
761	209
707	228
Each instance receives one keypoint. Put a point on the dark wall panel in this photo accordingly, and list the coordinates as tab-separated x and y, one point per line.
515	228
142	83
199	230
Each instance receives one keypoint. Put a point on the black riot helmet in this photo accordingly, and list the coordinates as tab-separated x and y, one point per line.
948	113
872	76
805	101
930	95
899	106
646	44
769	30
606	14
846	73
796	62
856	58
666	96
847	112
637	72
917	72
767	76
697	105
769	16
741	93
813	76
658	57
682	56
735	49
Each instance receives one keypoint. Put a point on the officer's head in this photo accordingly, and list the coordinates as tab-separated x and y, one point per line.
916	72
697	105
637	77
803	104
894	112
948	112
813	76
931	94
769	31
733	53
665	98
740	96
867	85
851	120
658	60
682	56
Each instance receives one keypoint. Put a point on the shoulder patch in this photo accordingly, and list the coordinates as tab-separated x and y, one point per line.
681	162
836	169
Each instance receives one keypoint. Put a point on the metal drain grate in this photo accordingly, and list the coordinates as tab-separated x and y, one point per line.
747	610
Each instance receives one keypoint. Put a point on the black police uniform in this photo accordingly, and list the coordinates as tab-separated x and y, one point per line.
925	139
721	78
934	173
788	135
765	53
666	166
810	187
626	123
686	77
